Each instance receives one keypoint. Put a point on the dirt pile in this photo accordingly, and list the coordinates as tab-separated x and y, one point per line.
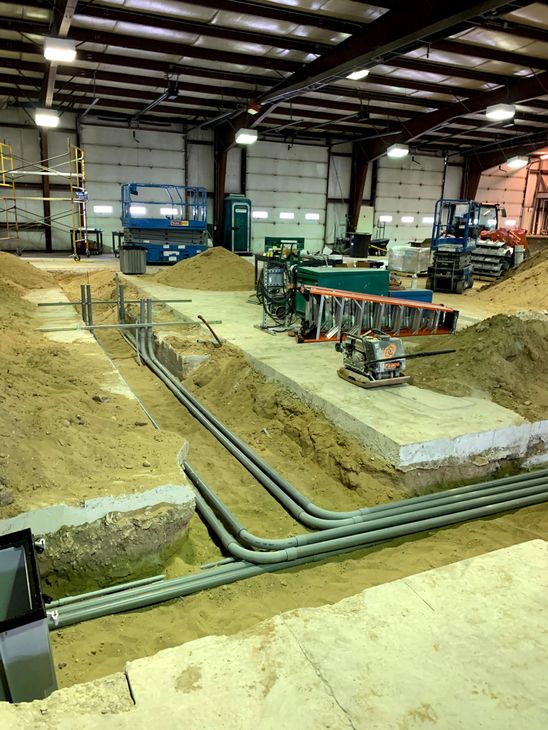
213	270
65	435
289	434
505	357
20	275
525	287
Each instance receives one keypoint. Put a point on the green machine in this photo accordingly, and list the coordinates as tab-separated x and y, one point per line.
237	223
362	281
271	242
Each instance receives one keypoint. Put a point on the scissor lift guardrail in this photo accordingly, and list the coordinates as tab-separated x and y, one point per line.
330	311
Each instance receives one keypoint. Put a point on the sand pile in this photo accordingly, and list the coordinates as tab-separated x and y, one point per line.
213	270
65	435
503	357
21	275
525	287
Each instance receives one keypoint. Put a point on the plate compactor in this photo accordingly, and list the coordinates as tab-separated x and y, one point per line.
376	359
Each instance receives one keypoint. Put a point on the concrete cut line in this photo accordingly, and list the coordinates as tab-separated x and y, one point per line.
47	520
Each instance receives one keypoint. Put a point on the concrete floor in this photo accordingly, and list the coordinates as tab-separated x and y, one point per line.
460	647
410	427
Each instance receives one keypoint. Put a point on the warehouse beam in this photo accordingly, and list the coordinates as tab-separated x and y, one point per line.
63	12
518	90
150	45
358	174
259	10
179	24
473	50
390	34
46	192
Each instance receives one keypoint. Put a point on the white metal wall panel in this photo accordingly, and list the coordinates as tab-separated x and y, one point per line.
453	182
408	187
339	178
115	156
201	166
287	179
505	187
335	225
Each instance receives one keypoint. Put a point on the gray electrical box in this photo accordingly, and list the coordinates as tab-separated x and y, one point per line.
26	664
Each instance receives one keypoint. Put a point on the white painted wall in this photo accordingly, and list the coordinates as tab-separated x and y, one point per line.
287	179
278	179
506	187
408	188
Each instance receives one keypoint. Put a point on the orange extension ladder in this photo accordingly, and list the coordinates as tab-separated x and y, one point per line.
328	312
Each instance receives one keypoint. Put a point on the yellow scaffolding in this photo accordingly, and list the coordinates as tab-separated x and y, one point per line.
9	224
71	167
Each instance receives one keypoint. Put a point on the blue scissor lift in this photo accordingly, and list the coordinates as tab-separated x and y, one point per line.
169	220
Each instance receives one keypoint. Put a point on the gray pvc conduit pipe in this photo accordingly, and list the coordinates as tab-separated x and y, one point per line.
354	541
275	481
178	587
409	508
261	543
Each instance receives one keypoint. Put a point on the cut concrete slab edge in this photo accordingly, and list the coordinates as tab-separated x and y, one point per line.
348	665
501	443
508	442
48	520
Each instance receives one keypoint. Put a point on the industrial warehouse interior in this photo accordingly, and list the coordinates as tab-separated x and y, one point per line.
274	354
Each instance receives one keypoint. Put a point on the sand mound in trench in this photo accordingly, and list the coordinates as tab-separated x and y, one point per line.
213	270
526	286
505	357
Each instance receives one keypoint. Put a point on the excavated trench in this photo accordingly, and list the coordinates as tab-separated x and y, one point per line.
327	466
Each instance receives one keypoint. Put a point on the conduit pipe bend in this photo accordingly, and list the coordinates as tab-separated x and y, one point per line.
284	494
238	531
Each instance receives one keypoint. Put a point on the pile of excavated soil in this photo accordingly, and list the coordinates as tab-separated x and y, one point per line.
65	435
213	270
503	357
524	287
19	275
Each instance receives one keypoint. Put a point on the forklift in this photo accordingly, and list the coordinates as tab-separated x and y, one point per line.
456	233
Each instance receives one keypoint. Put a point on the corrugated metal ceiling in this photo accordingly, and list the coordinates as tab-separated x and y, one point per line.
226	52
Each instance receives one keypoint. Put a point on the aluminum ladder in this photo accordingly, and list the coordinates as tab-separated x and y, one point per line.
330	312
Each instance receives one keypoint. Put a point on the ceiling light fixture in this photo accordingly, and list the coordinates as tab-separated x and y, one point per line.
246	136
61	50
398	150
500	112
253	107
357	75
515	163
46	118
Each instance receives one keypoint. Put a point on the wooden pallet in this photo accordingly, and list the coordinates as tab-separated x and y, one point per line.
363	382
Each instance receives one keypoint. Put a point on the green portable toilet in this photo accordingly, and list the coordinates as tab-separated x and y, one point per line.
237	224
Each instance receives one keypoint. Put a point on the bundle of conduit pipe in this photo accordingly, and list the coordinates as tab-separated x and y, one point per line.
335	532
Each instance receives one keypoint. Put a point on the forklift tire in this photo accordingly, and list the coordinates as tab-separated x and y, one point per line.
88	254
459	287
76	257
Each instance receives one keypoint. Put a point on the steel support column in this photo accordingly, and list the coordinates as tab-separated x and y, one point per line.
358	174
46	191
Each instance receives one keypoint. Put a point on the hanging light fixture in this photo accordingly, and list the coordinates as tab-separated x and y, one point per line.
398	150
60	50
515	163
246	136
357	75
46	117
253	107
500	112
